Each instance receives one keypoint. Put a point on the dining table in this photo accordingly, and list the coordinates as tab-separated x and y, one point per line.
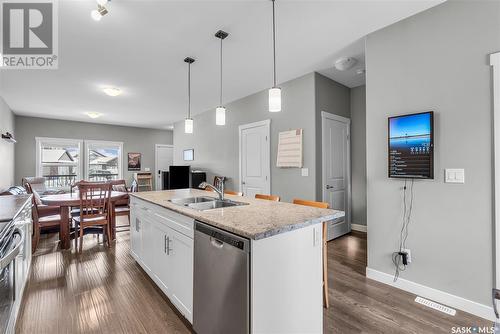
72	199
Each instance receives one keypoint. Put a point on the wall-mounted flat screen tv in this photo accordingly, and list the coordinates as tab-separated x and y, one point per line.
411	146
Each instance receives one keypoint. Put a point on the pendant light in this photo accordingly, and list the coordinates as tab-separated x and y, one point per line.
274	92
220	111
188	123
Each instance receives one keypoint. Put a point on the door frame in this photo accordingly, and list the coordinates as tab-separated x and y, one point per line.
267	124
495	65
156	160
325	115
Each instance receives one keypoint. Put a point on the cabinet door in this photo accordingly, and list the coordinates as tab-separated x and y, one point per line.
162	266
147	243
181	252
135	235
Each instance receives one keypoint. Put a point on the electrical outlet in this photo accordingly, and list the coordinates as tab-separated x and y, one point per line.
408	256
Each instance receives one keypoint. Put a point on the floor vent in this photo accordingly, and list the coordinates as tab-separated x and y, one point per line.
436	306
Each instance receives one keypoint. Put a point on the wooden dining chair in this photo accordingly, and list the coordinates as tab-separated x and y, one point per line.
268	197
236	193
44	217
122	206
94	210
321	205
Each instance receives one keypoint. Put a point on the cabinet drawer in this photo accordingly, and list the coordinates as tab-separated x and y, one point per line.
174	220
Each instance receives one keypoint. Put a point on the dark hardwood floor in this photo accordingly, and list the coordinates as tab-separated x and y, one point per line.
104	291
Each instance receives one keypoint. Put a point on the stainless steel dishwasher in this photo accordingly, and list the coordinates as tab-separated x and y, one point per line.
221	299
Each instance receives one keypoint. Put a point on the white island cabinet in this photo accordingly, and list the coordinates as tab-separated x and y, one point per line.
285	255
162	243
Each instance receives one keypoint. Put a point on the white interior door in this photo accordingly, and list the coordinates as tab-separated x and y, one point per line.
164	158
255	168
336	162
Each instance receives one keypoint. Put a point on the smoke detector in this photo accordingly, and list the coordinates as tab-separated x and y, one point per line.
343	64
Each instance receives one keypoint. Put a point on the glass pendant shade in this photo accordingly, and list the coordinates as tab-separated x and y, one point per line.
275	99
188	125
220	116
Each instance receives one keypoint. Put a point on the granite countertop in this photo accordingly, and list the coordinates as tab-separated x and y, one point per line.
11	205
260	219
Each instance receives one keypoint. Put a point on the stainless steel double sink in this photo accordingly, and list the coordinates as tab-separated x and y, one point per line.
202	203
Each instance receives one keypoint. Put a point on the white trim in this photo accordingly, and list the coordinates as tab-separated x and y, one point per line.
347	121
439	296
266	123
495	63
358	227
156	162
57	141
90	143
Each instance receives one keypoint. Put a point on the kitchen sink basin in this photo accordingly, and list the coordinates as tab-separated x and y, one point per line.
215	204
203	203
192	200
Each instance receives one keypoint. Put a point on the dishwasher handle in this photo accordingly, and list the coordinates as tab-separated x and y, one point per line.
216	243
219	238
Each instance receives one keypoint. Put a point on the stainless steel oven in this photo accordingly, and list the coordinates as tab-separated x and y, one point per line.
10	246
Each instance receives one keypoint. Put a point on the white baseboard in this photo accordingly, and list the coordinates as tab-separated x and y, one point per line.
358	227
439	296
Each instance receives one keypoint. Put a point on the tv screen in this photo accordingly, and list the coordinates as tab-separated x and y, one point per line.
411	149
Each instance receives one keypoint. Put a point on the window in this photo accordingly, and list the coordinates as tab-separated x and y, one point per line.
59	161
103	160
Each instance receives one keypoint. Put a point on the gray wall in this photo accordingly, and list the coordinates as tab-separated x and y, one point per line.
358	155
332	97
134	140
216	147
6	148
436	60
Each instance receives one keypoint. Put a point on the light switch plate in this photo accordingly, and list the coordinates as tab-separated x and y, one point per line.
147	169
454	175
305	171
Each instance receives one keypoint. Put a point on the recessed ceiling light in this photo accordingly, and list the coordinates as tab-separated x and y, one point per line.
112	91
102	2
93	114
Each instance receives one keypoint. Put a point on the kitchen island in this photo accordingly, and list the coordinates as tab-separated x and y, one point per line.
284	256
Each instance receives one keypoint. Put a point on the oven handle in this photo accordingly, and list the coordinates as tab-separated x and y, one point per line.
7	259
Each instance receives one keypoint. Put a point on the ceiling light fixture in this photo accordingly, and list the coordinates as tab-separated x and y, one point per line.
93	114
220	111
112	91
102	2
345	63
98	13
188	123
274	92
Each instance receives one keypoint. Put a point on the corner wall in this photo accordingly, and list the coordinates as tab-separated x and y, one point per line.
6	149
358	155
436	60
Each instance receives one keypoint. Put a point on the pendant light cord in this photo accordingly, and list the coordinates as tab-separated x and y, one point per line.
274	48
189	90
221	72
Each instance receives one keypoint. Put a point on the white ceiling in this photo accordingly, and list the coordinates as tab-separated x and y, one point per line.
140	46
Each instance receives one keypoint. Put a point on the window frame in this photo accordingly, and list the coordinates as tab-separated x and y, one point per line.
42	141
106	143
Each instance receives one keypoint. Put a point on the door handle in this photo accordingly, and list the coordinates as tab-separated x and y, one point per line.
7	259
243	182
329	186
